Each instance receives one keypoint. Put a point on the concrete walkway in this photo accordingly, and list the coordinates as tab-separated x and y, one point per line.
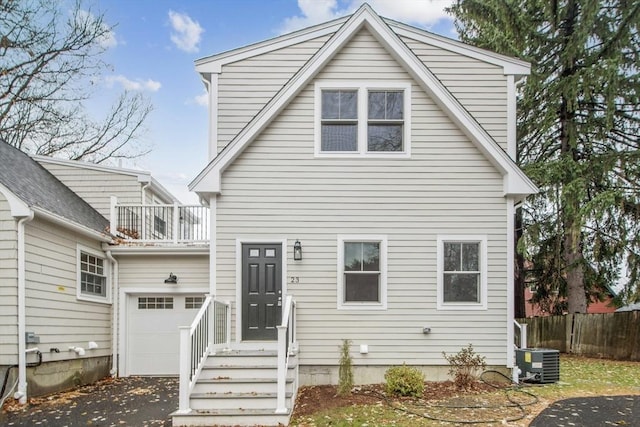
591	412
133	401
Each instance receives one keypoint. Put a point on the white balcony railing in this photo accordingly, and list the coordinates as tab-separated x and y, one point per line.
155	223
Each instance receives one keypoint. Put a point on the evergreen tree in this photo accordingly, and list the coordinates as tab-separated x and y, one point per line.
578	136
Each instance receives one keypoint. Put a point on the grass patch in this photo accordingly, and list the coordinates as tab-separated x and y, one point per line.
579	377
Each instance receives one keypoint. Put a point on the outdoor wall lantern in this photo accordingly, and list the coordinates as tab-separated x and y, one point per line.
172	279
297	251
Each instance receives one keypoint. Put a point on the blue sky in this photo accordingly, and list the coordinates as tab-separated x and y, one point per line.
155	43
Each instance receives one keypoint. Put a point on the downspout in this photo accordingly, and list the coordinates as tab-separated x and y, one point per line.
21	394
115	331
144	192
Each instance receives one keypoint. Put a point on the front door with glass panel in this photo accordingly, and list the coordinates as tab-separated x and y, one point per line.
261	291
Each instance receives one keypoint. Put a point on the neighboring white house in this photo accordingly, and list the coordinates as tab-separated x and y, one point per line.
384	153
78	300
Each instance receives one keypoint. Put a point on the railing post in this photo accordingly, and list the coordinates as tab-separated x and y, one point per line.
113	216
176	221
185	369
281	407
227	321
213	313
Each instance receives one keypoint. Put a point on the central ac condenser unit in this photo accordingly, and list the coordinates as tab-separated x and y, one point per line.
539	365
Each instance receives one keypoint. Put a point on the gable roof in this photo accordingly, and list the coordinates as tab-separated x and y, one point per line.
516	183
39	189
141	175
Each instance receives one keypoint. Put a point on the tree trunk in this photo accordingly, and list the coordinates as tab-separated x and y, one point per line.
576	295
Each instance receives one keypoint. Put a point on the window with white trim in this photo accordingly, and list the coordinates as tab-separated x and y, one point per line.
362	271
363	119
462	271
93	283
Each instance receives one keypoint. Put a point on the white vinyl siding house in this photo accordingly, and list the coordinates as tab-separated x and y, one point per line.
53	310
9	288
277	188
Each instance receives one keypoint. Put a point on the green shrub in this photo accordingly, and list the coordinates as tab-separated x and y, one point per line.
345	372
465	366
404	381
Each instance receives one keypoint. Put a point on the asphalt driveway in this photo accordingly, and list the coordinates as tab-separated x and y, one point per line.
133	401
591	412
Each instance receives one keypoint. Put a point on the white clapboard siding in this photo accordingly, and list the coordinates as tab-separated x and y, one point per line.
480	87
9	288
97	186
246	86
53	311
277	189
150	271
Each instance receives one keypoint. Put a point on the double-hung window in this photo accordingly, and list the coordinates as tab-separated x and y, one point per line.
462	271
92	275
362	281
362	119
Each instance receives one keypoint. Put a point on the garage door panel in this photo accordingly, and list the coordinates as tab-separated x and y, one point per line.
152	331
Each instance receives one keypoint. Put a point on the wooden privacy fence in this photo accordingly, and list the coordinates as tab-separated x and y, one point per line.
611	335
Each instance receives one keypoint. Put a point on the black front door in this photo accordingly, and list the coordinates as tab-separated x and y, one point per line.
261	290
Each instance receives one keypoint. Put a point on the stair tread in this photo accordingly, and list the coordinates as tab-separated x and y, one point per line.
245	353
225	380
227	395
205	412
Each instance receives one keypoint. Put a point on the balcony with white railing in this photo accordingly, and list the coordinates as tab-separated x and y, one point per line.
174	223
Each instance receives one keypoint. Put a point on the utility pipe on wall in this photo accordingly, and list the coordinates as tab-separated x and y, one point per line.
21	394
114	329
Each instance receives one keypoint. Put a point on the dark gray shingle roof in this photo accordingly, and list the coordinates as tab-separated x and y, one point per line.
37	187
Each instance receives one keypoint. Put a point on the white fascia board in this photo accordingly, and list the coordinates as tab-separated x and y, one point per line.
88	165
157	250
70	225
214	63
160	190
510	65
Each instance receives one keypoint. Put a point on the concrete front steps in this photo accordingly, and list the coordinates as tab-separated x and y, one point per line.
239	388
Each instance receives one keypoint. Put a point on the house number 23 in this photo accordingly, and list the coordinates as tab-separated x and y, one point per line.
294	280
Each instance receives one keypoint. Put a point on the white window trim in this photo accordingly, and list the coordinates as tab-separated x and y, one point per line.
107	272
362	88
382	305
482	240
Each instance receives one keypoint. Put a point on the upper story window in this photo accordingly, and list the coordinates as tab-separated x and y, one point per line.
462	272
92	275
363	119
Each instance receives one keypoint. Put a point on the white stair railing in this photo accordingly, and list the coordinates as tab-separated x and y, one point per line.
286	347
210	330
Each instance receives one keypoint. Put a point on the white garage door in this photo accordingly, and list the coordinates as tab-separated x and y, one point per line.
152	331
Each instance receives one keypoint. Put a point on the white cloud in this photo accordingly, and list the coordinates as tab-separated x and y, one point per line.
423	13
202	99
108	39
136	85
186	32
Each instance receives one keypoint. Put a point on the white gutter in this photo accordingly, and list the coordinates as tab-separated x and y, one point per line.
21	394
114	307
81	229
